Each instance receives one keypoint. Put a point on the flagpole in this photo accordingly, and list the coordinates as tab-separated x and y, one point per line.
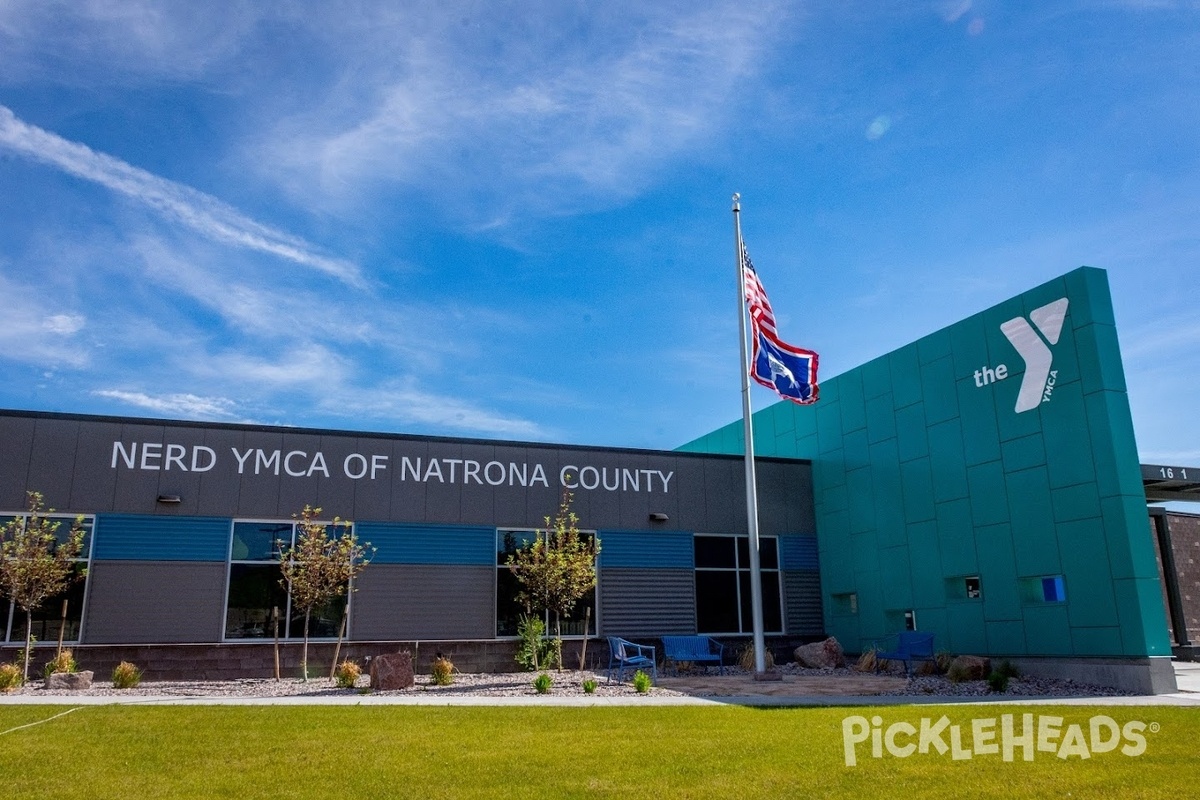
760	659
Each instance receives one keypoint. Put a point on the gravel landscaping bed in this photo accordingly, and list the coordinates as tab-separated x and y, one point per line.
940	685
503	684
566	683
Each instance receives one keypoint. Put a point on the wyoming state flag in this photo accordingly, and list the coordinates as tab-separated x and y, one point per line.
790	371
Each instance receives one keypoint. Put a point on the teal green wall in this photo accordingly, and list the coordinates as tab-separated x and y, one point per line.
922	477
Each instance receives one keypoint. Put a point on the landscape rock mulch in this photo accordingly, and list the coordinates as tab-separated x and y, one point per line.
570	683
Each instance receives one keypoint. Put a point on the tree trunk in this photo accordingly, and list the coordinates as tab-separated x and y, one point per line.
28	644
558	641
304	654
337	651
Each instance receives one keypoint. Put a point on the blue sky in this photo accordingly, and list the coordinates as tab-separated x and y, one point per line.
512	220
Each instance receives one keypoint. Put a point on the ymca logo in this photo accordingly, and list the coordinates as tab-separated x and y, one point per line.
1032	342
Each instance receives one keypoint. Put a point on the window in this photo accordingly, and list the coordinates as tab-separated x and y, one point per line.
898	619
509	610
255	591
1043	589
964	587
48	618
844	604
723	584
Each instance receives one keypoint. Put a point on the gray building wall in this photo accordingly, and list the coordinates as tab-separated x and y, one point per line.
155	602
159	572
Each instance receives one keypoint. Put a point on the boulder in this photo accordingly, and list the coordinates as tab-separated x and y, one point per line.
69	681
821	655
969	668
392	671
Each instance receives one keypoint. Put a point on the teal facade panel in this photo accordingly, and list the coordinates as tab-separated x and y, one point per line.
952	456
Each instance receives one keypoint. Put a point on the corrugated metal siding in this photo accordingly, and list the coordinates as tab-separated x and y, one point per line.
803	603
798	552
430	544
144	537
647	602
664	549
145	601
396	601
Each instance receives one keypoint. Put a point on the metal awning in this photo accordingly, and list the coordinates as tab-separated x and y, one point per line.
1171	483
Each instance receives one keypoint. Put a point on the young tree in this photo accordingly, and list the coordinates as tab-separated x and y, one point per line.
557	568
34	564
321	565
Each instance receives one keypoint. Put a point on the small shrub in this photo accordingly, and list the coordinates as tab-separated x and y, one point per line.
346	674
542	683
867	661
943	658
958	673
535	651
1008	669
641	682
589	686
63	662
998	681
746	659
443	671
10	677
927	668
126	676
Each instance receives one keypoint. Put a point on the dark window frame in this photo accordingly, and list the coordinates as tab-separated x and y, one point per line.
15	617
742	608
263	630
547	617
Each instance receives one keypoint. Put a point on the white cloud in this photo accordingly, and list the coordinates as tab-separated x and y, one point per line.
64	324
953	10
405	404
188	406
129	39
200	212
527	118
32	333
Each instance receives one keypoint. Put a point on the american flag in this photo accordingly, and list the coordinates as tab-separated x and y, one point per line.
761	313
790	371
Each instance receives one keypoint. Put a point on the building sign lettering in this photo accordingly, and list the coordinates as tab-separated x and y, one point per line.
159	456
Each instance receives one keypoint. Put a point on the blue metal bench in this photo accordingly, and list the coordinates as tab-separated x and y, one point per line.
910	646
703	650
624	654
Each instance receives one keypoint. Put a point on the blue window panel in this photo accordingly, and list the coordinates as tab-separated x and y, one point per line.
663	549
1053	590
146	537
429	544
798	553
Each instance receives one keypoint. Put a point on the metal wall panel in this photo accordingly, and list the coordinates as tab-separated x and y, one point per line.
661	549
647	602
798	553
429	544
16	434
144	537
132	602
102	464
407	602
802	603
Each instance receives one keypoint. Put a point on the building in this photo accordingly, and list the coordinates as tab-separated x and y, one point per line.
981	483
183	519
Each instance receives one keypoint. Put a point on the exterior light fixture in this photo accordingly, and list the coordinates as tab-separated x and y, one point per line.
658	516
169	498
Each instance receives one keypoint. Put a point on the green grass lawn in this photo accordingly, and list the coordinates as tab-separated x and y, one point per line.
434	752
